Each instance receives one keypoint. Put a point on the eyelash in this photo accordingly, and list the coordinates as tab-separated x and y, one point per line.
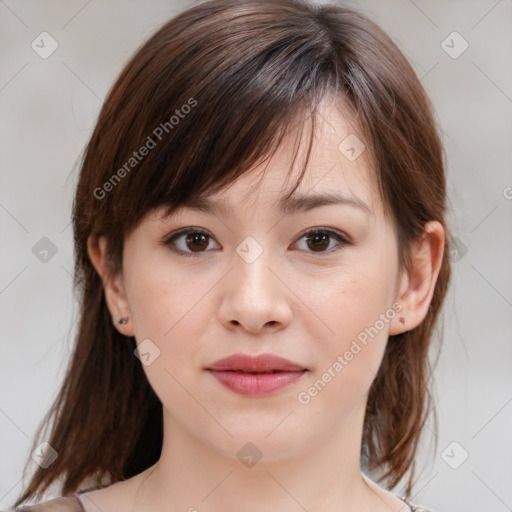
169	241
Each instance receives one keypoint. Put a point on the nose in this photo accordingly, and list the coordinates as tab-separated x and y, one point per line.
255	296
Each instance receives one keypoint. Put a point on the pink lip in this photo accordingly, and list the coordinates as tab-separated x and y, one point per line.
269	373
259	363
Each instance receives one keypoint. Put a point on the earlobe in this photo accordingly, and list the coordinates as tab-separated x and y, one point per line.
399	322
417	285
113	285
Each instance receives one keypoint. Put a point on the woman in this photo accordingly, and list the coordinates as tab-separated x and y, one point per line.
245	344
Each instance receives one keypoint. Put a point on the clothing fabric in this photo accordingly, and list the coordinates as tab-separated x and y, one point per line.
414	508
73	504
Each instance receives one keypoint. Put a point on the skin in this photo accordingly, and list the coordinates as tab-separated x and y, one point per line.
296	300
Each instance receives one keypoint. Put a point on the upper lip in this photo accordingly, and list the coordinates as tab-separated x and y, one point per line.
260	363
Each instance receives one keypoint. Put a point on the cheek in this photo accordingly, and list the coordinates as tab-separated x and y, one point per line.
166	306
348	360
172	309
350	301
354	311
163	300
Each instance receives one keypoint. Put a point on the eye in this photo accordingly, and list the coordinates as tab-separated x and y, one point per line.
196	240
319	239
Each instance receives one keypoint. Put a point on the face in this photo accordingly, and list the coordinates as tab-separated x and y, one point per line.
254	279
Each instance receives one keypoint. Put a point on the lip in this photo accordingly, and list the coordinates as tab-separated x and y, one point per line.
256	375
260	363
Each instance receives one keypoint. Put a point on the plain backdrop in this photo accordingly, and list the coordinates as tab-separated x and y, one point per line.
461	51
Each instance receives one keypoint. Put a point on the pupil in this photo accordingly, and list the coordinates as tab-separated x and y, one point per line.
319	238
194	239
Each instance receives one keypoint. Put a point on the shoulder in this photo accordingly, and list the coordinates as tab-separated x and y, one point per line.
62	504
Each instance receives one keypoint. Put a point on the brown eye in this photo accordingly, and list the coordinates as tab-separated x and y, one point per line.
188	242
318	240
196	241
192	242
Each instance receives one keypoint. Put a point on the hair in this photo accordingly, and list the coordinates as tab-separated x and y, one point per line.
211	94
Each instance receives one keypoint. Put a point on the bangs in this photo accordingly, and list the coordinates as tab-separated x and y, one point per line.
216	103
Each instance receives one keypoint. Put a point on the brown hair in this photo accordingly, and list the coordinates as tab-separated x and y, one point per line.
210	95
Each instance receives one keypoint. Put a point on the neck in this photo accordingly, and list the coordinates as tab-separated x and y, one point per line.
324	475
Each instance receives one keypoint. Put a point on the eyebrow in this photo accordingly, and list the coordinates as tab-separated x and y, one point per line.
286	205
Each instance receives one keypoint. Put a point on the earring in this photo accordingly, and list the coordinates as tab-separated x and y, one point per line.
401	320
122	321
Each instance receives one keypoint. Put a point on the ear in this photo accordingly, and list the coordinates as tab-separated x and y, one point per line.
114	287
416	286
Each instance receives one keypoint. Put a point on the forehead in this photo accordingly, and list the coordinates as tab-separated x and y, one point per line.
339	170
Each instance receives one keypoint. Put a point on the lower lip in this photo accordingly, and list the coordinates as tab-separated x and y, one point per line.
256	384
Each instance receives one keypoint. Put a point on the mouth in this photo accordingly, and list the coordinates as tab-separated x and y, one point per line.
262	363
256	383
253	372
256	375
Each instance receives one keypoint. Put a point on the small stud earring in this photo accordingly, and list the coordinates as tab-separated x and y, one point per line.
122	321
401	320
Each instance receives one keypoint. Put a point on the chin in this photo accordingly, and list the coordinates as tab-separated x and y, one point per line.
269	440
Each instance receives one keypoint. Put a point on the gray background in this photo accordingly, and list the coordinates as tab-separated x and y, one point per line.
47	111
